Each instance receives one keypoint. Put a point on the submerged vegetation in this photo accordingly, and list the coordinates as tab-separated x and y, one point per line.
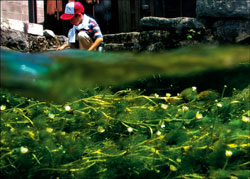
117	131
127	134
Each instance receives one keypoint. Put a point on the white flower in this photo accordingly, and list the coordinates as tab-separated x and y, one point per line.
130	129
164	106
156	95
219	105
2	107
158	133
163	125
233	102
24	150
49	130
173	168
168	95
185	108
157	171
12	129
245	119
67	108
194	88
178	160
228	153
100	129
52	116
198	115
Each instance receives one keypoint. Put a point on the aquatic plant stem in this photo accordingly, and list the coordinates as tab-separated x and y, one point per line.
212	132
225	165
169	174
224	89
213	125
26	117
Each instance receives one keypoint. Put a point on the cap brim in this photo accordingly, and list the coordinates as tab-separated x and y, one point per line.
67	16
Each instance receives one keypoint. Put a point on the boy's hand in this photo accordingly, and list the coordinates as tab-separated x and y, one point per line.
62	47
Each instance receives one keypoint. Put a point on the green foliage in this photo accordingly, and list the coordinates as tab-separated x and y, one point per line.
127	135
192	33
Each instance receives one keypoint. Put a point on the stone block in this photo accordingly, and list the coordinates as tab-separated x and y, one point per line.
119	38
223	8
18	25
35	29
232	31
179	23
12	24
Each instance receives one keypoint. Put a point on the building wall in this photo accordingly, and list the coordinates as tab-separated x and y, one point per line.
19	10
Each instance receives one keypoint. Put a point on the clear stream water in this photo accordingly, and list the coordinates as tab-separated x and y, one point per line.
59	75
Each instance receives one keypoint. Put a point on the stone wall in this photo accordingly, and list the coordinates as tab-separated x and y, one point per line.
25	42
217	22
28	37
229	20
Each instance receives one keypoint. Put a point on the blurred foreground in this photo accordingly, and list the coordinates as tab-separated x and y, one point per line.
60	76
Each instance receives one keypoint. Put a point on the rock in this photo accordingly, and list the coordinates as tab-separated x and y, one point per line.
62	39
155	47
131	37
121	41
223	8
14	40
232	31
178	23
6	48
49	33
243	38
121	47
114	47
151	40
20	41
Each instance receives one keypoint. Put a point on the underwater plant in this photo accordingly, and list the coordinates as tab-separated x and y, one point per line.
126	134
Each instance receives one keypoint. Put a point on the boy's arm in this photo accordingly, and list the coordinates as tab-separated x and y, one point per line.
63	46
96	43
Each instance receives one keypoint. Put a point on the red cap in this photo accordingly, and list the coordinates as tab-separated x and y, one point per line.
71	9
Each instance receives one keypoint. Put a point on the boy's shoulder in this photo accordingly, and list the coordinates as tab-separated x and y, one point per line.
90	19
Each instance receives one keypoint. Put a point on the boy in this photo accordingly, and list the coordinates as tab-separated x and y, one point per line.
86	33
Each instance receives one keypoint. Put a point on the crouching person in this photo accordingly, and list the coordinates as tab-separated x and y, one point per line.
86	33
